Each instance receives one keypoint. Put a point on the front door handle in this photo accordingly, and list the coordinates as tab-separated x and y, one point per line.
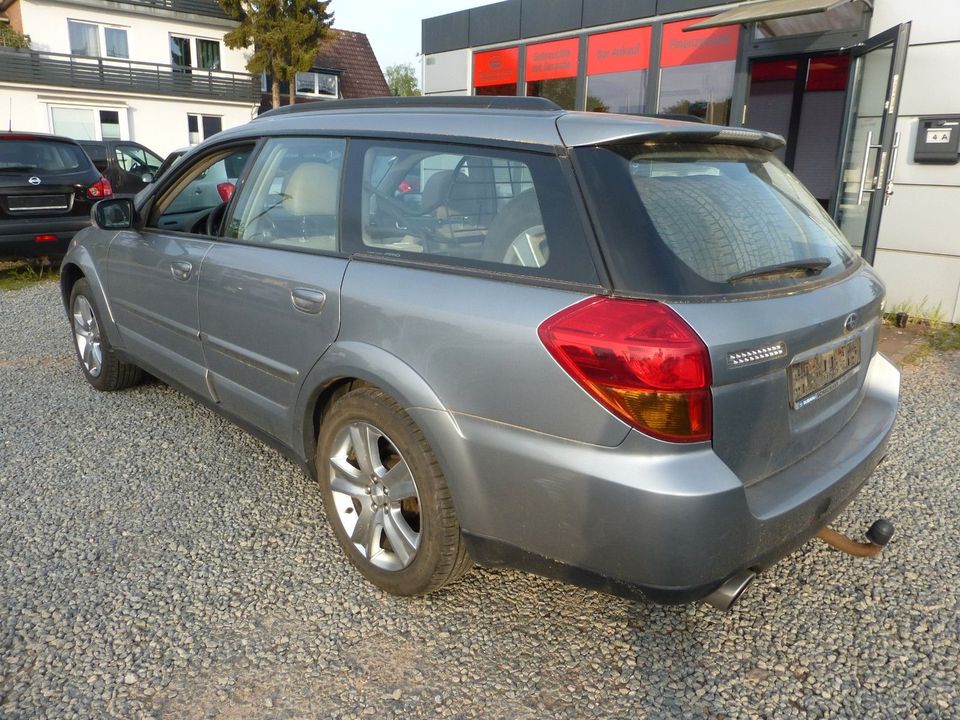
181	269
308	301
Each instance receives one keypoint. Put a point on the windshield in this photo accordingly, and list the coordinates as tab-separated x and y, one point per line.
699	219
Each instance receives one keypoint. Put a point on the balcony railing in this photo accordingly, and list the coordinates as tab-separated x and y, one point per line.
210	8
42	68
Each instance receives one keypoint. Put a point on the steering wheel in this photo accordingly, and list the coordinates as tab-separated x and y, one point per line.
215	219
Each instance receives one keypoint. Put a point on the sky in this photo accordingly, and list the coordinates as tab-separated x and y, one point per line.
393	26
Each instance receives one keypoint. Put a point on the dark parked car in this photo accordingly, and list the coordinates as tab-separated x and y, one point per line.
628	352
47	187
129	166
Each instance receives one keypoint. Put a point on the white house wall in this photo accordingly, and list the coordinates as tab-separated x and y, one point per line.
158	123
148	37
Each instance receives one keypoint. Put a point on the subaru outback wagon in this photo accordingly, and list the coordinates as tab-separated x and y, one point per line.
630	353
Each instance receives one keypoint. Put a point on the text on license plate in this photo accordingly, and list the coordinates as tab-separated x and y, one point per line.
813	378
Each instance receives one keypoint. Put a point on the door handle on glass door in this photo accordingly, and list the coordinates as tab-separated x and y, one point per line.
888	192
181	269
308	301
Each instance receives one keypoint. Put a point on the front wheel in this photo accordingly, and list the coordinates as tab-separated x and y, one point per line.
99	363
386	497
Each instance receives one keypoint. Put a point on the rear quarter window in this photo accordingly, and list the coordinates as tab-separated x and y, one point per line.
482	208
700	219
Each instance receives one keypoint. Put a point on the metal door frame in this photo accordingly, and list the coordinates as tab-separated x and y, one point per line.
886	156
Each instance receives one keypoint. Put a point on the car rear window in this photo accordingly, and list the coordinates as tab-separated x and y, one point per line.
698	219
45	156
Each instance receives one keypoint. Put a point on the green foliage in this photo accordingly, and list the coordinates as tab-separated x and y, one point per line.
284	35
18	274
402	80
11	38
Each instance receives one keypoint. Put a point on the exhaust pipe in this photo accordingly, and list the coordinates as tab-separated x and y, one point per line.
724	597
879	535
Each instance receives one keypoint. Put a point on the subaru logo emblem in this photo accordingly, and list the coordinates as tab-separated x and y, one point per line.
851	322
34	180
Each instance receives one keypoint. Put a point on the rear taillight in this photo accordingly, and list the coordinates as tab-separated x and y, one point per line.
640	360
225	190
100	189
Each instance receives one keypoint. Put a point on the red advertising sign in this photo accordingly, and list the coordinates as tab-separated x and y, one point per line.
619	51
552	60
697	46
496	67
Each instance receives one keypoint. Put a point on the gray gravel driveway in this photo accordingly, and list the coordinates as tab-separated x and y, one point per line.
155	561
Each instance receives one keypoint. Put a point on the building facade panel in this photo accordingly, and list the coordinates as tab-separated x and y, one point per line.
923	283
496	23
447	72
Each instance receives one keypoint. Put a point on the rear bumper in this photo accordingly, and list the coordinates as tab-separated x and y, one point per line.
646	517
17	237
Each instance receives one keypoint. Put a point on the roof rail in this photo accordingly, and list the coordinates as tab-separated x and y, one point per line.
475	102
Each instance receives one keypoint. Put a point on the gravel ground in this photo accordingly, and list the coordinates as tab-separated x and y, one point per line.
155	561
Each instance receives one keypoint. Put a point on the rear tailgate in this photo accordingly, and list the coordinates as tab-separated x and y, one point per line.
781	388
54	194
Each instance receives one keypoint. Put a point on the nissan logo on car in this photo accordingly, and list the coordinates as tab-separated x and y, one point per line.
34	180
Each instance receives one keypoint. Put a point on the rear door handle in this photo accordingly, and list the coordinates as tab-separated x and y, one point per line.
181	269
308	301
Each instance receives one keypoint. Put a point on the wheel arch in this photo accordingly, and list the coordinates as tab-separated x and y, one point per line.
347	365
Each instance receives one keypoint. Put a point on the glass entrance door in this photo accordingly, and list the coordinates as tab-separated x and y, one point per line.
869	148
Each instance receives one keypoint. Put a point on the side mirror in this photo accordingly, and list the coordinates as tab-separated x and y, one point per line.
113	214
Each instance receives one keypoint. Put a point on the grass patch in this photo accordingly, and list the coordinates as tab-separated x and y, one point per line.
943	337
15	275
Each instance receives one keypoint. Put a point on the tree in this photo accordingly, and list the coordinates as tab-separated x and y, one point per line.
402	80
284	35
12	39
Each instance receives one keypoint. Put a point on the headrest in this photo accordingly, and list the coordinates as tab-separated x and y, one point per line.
312	189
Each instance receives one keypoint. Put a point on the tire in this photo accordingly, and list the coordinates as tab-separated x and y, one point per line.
99	363
518	225
408	543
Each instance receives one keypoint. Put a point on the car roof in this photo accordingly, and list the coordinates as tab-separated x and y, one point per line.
29	135
533	121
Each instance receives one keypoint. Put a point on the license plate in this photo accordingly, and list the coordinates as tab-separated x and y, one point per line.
815	377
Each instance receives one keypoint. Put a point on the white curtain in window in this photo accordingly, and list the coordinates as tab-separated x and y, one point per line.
84	38
76	123
116	41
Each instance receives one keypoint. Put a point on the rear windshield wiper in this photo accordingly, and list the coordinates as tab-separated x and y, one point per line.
17	168
810	266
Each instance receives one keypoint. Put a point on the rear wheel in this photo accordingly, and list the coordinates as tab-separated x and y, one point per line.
99	363
386	497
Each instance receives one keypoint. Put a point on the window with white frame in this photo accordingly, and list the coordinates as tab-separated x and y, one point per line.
96	40
318	83
200	127
88	123
189	52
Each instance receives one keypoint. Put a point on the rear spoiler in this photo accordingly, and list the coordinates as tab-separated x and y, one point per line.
587	129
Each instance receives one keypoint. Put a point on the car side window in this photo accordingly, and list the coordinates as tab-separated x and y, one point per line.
293	197
136	160
197	200
500	209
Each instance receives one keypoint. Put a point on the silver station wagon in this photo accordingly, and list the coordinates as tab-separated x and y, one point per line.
630	353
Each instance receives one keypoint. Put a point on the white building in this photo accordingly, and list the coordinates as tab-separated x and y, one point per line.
154	71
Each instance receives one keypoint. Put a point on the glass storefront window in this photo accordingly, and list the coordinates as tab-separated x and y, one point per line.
617	64
551	71
563	91
697	70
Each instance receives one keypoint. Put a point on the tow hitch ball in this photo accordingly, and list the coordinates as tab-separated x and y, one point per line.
878	534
